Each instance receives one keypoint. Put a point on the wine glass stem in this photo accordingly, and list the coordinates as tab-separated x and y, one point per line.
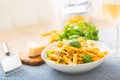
117	47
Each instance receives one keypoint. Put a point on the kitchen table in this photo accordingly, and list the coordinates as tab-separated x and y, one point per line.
17	39
108	70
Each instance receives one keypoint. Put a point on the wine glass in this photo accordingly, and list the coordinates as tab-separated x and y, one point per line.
111	10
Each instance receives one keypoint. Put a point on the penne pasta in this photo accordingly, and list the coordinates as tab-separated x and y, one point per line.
63	53
75	58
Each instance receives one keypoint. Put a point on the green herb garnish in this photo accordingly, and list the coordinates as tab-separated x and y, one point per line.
74	43
87	58
83	29
60	60
48	53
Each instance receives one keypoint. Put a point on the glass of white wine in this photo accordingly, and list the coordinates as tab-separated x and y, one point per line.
111	10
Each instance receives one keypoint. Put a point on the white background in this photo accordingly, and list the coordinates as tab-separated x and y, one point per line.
16	13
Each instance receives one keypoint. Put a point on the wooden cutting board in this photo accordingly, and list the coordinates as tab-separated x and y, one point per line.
35	61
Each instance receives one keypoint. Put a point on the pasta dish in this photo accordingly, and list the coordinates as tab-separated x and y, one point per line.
75	51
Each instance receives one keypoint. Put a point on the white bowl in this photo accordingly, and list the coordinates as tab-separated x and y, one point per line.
79	68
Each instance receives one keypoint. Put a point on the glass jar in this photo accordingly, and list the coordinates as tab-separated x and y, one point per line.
75	11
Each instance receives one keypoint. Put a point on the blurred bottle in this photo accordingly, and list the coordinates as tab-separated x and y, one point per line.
75	11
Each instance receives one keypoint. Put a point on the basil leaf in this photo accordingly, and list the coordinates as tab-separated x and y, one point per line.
74	36
74	43
87	58
48	53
